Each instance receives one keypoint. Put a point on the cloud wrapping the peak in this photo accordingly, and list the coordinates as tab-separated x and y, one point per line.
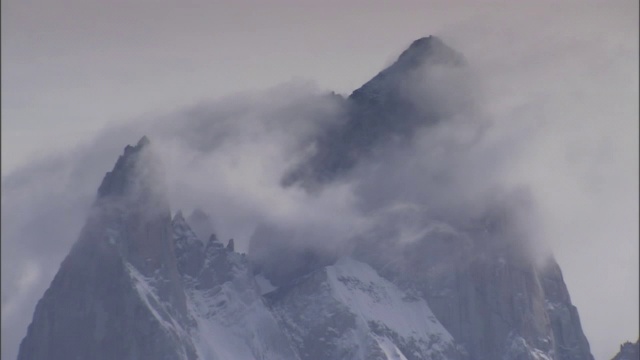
545	115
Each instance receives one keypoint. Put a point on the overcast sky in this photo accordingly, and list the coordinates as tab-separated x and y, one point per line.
565	71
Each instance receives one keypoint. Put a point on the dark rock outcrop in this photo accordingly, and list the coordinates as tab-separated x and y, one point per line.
628	351
189	248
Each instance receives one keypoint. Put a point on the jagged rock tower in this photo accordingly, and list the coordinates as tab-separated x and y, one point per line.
127	237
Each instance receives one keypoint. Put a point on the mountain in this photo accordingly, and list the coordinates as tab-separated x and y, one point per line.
100	304
347	311
383	110
486	291
142	284
628	351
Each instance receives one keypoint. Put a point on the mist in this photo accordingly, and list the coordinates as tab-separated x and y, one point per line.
544	117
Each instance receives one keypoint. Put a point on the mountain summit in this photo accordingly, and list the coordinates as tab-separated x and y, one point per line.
430	48
120	180
424	52
391	107
142	284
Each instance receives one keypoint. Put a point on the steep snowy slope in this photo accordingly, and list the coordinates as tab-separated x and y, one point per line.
232	320
347	311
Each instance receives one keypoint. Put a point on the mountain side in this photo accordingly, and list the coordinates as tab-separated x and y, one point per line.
347	311
384	110
141	285
485	287
225	301
570	341
97	306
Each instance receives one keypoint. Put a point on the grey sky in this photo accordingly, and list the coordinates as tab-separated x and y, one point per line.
562	76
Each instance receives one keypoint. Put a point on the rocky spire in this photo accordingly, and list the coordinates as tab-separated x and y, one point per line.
188	247
132	195
392	105
119	181
126	239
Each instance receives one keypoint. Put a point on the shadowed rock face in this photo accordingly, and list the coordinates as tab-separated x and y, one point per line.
140	285
383	110
570	341
189	249
487	291
127	234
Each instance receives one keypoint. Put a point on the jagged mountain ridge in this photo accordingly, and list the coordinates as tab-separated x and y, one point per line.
628	351
137	268
215	309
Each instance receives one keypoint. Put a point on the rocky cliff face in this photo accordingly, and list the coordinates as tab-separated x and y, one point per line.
570	341
98	306
485	289
384	111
